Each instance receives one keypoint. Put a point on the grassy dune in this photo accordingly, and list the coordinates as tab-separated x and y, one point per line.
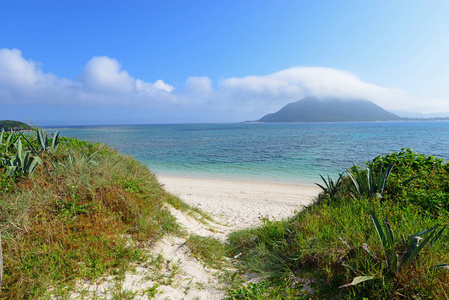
76	216
332	249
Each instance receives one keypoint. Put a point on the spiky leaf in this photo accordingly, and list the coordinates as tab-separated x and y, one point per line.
358	280
441	266
379	230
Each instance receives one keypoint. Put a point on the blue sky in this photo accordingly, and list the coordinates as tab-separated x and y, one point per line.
136	62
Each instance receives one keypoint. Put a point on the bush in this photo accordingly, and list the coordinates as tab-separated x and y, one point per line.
417	180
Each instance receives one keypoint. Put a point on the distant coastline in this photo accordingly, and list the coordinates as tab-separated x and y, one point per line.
399	120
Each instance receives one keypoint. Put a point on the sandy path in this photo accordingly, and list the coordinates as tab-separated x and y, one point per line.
234	205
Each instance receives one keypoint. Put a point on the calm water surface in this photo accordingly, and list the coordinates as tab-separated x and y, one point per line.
290	153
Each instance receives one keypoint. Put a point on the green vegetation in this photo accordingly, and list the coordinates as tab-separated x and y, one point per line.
9	125
365	183
330	187
207	249
72	210
338	248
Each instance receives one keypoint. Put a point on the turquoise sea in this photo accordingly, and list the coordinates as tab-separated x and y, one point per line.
273	152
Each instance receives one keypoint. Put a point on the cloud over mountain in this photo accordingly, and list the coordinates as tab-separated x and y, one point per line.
288	85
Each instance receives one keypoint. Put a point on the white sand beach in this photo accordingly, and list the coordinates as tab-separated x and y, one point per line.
241	204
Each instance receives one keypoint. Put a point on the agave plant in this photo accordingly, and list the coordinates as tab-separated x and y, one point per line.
365	182
10	168
330	187
44	141
23	162
394	261
10	141
415	244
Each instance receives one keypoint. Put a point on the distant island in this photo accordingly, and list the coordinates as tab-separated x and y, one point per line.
311	109
8	125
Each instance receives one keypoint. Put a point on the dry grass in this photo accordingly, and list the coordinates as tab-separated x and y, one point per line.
75	220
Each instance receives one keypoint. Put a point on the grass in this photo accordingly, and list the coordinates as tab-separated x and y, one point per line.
209	250
82	215
331	242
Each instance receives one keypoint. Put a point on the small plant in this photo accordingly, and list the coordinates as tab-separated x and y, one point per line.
6	183
152	291
265	290
396	260
10	141
251	291
330	187
72	161
365	182
23	162
44	141
71	208
208	249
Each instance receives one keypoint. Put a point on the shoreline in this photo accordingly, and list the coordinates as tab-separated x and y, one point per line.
236	178
241	204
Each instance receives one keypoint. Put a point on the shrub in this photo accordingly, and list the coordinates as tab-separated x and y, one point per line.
417	180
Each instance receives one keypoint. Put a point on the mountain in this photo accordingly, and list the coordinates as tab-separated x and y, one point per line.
8	125
311	109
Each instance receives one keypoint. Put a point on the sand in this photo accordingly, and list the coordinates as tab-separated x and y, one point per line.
233	205
241	204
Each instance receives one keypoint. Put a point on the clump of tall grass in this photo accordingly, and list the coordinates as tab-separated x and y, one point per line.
207	249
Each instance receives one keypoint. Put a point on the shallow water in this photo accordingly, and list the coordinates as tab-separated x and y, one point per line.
289	153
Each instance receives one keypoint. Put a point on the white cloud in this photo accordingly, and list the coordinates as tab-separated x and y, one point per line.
103	74
104	82
23	81
160	85
148	88
199	85
18	71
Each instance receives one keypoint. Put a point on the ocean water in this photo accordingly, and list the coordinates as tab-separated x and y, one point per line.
271	152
